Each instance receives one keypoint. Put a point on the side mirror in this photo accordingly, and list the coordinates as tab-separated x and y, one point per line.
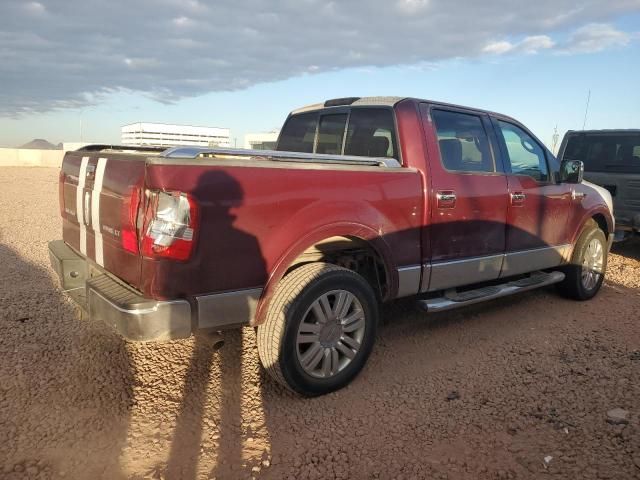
571	171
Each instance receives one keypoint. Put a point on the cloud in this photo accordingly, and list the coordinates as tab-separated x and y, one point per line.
68	53
183	22
528	45
596	37
35	8
499	48
590	38
412	6
536	43
142	63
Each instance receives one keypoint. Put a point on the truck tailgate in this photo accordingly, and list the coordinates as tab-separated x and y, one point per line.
99	197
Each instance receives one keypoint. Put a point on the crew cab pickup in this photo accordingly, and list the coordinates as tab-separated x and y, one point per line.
612	160
364	200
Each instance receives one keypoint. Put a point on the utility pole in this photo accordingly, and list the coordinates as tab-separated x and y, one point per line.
554	139
586	110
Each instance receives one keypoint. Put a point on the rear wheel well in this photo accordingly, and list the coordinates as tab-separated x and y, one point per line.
602	223
352	253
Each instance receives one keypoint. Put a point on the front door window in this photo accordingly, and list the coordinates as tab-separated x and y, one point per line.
526	156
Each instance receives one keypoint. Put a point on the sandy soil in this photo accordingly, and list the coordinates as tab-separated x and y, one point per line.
534	377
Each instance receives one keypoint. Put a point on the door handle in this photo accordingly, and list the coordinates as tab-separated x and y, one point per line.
518	198
446	199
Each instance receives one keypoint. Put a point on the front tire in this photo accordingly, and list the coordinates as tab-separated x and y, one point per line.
585	274
319	330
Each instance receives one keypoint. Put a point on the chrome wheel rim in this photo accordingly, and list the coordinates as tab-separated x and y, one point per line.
592	264
330	334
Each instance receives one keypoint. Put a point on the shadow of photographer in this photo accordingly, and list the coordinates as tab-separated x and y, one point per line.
213	384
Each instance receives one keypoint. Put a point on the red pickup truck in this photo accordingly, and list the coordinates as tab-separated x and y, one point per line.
363	201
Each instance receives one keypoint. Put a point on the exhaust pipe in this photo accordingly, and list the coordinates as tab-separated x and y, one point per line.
214	337
218	343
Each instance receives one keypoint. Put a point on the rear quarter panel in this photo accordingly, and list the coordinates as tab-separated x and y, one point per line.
256	217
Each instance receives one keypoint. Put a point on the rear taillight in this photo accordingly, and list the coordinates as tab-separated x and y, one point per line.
170	223
129	232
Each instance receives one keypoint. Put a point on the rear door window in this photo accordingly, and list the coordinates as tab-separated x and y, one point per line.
605	152
331	134
299	133
463	142
371	133
526	156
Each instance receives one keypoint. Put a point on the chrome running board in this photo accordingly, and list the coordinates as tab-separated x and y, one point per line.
453	299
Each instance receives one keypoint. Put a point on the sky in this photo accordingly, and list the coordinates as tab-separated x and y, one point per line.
77	70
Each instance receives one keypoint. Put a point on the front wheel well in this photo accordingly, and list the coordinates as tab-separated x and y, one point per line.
602	223
351	253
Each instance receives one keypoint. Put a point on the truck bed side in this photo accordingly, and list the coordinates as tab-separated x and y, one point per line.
253	215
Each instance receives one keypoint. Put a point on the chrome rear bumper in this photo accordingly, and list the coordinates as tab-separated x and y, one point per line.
103	297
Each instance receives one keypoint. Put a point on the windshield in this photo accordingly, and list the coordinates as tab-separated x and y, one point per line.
605	152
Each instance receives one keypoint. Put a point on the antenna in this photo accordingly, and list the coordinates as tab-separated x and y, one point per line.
586	110
554	139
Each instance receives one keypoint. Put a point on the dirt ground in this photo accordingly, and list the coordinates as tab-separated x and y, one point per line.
483	393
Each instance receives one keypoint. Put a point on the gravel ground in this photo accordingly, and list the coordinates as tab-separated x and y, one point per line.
484	393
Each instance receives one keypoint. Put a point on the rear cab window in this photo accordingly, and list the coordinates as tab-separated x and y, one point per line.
371	133
331	134
299	133
605	152
358	131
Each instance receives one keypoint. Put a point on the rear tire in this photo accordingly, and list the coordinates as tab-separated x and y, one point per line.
319	330
585	274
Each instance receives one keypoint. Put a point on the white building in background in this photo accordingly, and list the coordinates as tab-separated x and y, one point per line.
261	141
164	135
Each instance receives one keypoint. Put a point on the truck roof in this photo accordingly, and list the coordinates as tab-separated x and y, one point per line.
388	101
353	101
607	130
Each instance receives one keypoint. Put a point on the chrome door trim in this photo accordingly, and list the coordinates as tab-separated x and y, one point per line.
525	261
467	271
409	280
426	277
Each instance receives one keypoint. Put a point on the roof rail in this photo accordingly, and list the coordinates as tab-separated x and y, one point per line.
280	156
